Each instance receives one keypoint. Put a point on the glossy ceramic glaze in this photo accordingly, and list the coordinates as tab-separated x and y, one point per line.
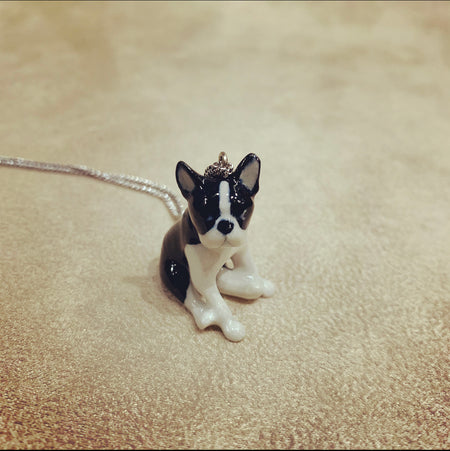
212	231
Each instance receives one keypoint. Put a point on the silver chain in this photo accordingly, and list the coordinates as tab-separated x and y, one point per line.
170	199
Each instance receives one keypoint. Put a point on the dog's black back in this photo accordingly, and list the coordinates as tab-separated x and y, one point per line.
173	266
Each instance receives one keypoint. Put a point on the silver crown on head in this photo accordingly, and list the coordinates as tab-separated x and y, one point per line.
220	169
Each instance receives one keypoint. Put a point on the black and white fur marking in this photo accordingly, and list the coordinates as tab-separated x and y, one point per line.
212	230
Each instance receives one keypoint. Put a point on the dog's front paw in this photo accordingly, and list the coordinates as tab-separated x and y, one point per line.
233	329
268	288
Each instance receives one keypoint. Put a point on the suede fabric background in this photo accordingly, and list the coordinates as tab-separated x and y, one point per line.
348	107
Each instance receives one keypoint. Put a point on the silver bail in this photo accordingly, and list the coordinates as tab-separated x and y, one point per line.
223	159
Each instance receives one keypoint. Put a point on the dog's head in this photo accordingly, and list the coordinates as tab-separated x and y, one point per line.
220	207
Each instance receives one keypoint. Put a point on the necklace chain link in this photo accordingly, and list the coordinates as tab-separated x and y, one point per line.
160	191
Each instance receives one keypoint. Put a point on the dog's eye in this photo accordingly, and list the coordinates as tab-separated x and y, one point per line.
241	208
243	215
242	211
209	221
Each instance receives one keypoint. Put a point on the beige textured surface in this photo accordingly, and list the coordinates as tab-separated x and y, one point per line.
348	106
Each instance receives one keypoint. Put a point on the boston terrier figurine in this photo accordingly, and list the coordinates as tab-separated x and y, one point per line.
196	251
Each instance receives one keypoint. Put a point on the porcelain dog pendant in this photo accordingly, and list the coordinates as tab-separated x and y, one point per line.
212	230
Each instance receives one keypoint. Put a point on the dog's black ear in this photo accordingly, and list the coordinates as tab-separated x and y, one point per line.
187	179
248	171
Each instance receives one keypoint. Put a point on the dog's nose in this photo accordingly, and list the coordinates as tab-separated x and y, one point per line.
225	226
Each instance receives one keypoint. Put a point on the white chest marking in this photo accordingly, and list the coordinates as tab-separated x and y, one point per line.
224	199
204	263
